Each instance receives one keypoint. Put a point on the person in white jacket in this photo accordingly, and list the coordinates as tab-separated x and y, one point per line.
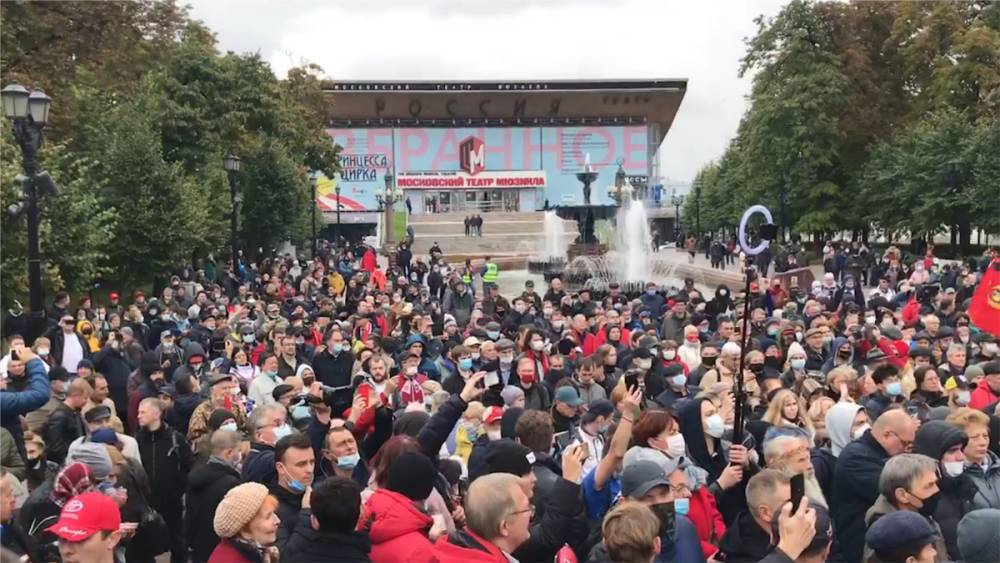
260	391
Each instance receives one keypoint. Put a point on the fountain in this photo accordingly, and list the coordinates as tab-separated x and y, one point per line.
555	238
634	242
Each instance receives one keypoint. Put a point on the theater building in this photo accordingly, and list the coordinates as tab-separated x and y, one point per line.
490	146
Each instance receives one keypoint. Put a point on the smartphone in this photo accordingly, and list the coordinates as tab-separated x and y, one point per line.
798	491
631	379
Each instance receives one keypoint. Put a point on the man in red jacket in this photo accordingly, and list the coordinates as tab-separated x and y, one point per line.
988	391
497	516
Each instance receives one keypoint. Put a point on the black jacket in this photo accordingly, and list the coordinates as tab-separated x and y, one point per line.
207	486
744	541
289	507
179	416
64	426
58	344
335	371
115	368
259	464
167	459
557	526
855	490
934	439
547	472
310	546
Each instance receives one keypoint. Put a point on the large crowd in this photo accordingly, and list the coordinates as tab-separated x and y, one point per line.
339	410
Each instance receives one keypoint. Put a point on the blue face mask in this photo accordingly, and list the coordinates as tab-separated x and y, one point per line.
348	461
282	431
296	486
465	363
300	412
493	335
894	389
678	380
650	292
682	506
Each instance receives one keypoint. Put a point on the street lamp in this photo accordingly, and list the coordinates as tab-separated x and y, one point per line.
231	163
336	236
622	190
677	200
28	113
386	199
697	209
312	184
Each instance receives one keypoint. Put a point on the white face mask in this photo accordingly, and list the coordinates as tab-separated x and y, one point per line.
43	352
493	435
537	345
669	354
953	468
963	398
715	426
675	446
860	431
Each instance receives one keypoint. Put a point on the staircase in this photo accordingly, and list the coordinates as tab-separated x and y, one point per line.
504	233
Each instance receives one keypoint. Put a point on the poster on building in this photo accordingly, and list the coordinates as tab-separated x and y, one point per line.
544	159
365	156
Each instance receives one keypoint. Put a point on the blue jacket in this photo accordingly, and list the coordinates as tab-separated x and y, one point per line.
16	403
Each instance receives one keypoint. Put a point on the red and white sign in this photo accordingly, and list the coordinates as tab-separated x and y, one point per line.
501	179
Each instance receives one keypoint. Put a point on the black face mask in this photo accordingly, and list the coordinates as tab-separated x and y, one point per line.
771	361
664	511
929	505
709	361
757	369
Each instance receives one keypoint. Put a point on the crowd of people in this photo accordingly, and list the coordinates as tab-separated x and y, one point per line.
340	410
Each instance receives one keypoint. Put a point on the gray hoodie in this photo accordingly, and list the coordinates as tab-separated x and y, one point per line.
839	420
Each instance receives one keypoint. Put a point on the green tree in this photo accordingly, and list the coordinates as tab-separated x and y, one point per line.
275	197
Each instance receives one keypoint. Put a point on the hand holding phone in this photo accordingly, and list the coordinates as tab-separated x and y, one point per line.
798	485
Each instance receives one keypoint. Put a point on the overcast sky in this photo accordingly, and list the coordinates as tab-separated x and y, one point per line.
517	39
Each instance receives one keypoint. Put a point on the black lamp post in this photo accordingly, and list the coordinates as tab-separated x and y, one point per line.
29	112
697	209
312	221
677	200
336	190
231	163
386	199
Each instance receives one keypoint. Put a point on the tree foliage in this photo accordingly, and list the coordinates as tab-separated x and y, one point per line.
857	110
144	109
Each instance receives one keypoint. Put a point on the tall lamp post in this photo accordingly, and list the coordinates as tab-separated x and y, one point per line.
312	221
677	200
231	163
386	199
697	209
336	236
29	112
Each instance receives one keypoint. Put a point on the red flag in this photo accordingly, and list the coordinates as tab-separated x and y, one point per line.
985	307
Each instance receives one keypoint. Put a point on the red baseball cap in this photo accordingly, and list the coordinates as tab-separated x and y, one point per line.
492	414
85	515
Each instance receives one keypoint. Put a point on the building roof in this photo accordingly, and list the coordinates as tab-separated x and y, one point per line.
505	103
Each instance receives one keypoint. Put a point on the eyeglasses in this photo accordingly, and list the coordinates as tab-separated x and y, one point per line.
678	489
530	510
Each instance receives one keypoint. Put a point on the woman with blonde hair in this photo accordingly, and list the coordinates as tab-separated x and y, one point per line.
787	409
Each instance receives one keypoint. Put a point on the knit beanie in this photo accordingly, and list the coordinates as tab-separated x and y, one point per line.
977	535
412	475
94	456
149	363
219	416
511	394
238	508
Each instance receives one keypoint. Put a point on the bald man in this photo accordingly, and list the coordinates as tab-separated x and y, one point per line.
855	483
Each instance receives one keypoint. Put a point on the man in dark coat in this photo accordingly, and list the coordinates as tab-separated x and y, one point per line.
333	368
167	459
66	424
336	506
944	442
207	485
855	482
111	362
